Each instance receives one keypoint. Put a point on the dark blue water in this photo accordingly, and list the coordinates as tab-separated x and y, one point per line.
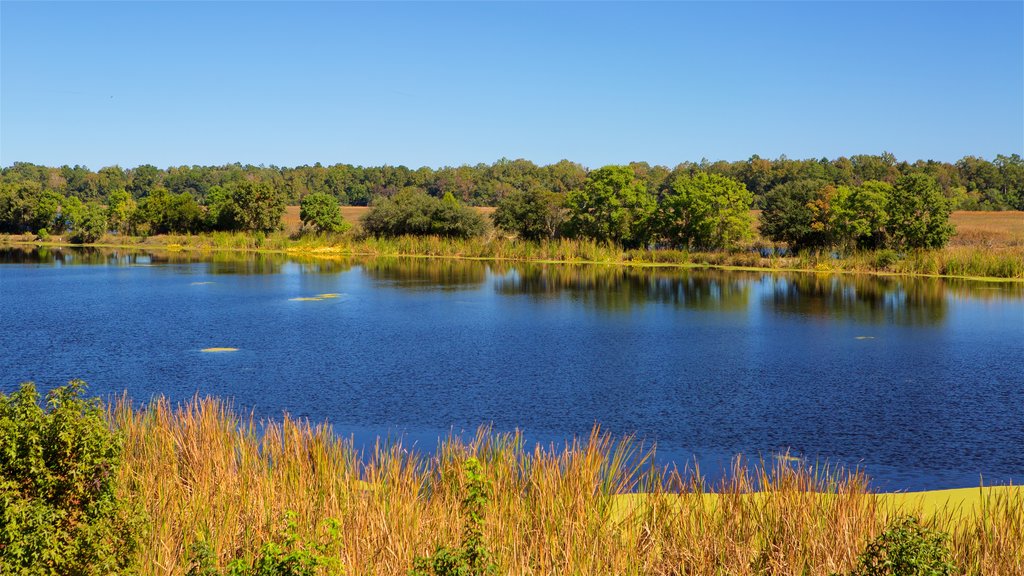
918	381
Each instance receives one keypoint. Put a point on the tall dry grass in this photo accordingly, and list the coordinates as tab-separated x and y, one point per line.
596	506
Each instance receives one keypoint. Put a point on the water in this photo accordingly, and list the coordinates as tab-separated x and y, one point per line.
918	381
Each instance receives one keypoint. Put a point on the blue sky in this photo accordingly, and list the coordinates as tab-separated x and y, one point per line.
452	83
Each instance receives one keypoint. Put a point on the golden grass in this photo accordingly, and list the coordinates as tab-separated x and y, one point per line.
219	349
592	507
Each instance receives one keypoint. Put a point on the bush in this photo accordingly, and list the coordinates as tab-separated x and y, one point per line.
284	556
58	508
414	212
322	212
906	548
472	558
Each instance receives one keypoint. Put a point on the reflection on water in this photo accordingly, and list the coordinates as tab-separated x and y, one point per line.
864	298
918	379
615	288
427	273
868	299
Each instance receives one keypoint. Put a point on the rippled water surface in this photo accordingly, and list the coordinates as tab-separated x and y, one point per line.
919	381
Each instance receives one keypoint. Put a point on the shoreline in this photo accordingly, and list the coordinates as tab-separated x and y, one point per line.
334	251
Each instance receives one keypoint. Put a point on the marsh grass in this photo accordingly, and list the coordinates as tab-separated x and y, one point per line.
595	506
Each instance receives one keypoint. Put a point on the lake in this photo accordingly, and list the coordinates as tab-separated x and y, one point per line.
920	382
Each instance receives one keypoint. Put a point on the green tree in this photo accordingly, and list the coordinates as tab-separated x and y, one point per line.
792	214
534	215
58	505
859	214
121	209
918	213
412	211
322	212
70	214
258	206
705	211
91	225
613	205
220	210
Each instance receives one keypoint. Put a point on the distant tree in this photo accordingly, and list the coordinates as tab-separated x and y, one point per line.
534	215
452	219
91	224
43	210
414	212
220	210
70	214
613	205
258	206
792	214
918	213
121	209
322	212
705	211
183	214
143	180
859	214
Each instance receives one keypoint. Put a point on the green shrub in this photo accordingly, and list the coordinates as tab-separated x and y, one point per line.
44	234
906	548
59	513
413	212
472	558
885	258
283	556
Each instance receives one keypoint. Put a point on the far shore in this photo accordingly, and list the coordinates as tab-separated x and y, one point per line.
997	264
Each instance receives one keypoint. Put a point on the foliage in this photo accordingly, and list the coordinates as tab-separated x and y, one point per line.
859	214
282	556
796	213
59	511
472	558
906	548
91	225
257	206
613	205
121	209
322	212
535	214
705	211
918	213
415	213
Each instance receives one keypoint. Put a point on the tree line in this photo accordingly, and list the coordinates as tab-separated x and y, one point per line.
692	207
971	183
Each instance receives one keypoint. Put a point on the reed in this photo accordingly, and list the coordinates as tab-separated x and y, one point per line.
595	506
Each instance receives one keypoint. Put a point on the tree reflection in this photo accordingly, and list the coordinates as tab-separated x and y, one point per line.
616	288
869	299
427	273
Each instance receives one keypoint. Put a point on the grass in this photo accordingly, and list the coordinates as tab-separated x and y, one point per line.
988	245
596	506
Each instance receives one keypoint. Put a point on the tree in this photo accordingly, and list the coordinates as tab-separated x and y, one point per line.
534	215
859	214
91	224
791	211
121	209
705	211
414	212
258	206
220	210
918	213
321	211
612	206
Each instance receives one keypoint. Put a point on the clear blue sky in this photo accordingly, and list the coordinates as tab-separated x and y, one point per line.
452	83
